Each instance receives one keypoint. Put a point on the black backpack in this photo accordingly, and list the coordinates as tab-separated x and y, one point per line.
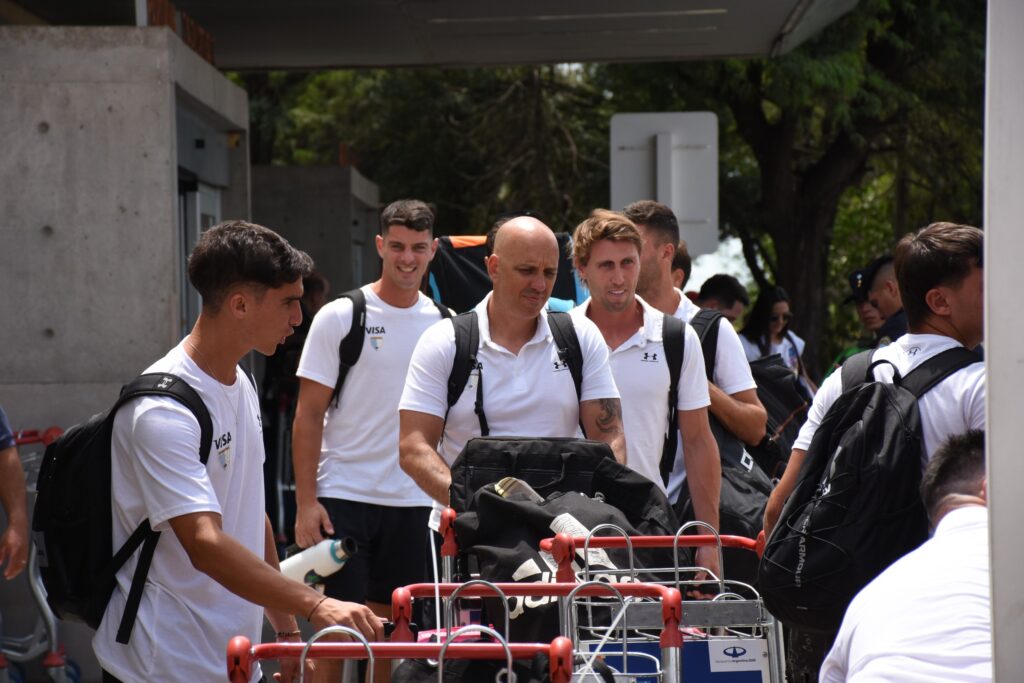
351	346
780	391
856	507
745	485
467	345
72	519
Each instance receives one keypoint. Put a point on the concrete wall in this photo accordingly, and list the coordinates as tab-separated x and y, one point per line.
91	250
330	212
88	208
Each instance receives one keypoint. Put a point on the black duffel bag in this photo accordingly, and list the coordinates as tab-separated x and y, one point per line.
504	533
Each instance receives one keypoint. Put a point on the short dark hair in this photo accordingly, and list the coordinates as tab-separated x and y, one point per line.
724	288
941	254
655	217
411	213
237	252
314	283
681	261
957	467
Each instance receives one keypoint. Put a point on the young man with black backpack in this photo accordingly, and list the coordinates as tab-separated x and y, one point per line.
939	270
654	357
520	382
352	370
733	392
214	571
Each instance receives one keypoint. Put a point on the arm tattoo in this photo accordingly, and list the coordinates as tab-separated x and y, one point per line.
609	420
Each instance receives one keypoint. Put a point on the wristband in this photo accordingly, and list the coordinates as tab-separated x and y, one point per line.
312	611
288	634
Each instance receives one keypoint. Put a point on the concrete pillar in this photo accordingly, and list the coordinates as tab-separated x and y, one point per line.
90	245
1004	328
330	212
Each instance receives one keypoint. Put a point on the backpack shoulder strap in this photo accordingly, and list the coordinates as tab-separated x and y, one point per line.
172	386
937	368
568	344
855	369
442	309
706	324
674	340
351	346
467	343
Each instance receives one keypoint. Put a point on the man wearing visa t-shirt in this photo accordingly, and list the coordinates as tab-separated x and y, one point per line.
214	574
939	271
606	252
347	479
733	392
527	391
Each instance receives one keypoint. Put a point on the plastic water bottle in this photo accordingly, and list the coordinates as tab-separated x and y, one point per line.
315	563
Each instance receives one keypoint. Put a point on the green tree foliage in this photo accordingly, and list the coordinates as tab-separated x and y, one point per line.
476	142
828	153
893	90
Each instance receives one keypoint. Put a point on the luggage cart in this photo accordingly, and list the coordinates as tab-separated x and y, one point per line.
241	653
43	640
663	600
734	627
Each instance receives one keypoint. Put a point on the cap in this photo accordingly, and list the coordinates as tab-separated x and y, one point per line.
859	285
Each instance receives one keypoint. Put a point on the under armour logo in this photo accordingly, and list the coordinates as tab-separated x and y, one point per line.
164	383
560	365
649	357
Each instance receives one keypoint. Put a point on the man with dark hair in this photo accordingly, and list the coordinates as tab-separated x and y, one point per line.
681	266
347	480
940	279
928	616
883	292
732	390
724	293
606	251
214	573
525	387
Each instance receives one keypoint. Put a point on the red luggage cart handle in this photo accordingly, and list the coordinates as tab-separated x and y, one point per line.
563	546
241	653
25	437
671	600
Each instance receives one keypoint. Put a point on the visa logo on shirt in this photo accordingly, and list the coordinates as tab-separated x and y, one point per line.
223	445
374	329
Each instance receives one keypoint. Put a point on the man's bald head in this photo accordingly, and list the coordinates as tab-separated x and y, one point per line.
524	230
523	266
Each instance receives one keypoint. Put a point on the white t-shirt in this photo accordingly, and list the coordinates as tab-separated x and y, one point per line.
731	375
185	618
642	377
530	394
925	619
954	406
359	451
791	349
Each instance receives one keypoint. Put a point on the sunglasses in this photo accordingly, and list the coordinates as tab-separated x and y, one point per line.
785	317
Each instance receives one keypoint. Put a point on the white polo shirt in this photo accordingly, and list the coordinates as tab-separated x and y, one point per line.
954	406
731	375
925	619
526	394
642	376
185	618
359	450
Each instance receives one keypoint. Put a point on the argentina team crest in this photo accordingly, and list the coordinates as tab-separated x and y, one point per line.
376	343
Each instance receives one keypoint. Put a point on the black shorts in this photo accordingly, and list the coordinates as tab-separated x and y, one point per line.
392	545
